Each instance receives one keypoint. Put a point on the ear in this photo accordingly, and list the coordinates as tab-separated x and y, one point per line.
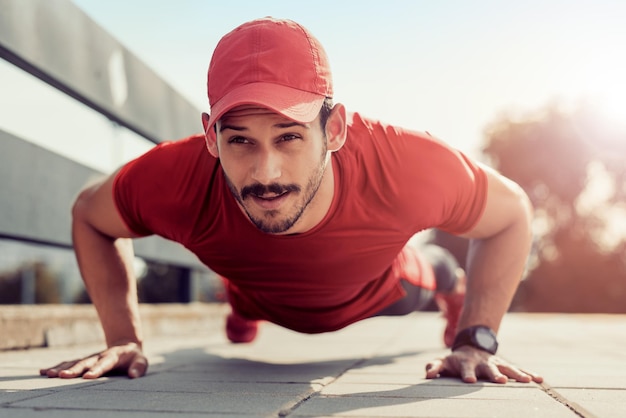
209	136
336	128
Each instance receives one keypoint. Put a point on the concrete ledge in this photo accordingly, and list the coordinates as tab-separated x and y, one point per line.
29	326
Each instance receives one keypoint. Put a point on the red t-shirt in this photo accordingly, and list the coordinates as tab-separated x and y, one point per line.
389	184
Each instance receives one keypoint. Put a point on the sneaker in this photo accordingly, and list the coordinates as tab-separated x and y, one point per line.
240	329
451	304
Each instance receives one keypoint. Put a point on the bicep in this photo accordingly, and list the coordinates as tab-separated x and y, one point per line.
506	205
95	206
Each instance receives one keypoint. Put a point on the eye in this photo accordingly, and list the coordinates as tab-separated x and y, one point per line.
238	140
289	137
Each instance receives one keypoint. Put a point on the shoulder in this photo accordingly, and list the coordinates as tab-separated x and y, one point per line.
175	152
367	130
168	168
394	146
160	190
169	160
405	169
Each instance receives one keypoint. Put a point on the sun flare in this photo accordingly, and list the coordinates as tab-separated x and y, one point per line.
606	91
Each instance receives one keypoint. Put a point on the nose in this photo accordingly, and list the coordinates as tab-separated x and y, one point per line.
267	167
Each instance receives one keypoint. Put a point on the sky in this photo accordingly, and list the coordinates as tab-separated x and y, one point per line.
450	67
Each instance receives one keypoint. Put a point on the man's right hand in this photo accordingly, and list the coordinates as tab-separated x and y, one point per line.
126	357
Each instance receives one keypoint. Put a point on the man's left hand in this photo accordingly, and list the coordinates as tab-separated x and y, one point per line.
471	364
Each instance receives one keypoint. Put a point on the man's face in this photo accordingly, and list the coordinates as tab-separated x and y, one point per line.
273	165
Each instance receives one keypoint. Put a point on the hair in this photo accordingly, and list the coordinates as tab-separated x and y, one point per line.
327	107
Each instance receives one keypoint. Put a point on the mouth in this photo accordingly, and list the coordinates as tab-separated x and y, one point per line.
270	201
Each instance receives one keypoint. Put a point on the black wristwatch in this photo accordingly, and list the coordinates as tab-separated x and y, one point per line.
478	336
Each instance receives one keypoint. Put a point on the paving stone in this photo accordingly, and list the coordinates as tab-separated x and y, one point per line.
613	380
263	372
603	403
206	383
80	413
26	379
164	402
8	396
357	376
353	406
424	390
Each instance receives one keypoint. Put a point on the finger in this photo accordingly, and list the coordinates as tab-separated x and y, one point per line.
69	369
522	376
105	364
77	368
434	368
54	370
493	374
468	374
138	367
534	376
44	372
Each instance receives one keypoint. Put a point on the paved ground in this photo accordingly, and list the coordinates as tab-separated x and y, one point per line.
372	369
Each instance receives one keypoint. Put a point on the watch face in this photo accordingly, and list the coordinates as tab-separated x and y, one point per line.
478	336
484	338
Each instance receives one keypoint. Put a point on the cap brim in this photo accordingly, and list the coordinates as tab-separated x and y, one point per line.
298	105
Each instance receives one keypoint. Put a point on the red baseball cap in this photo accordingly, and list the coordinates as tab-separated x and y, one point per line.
272	63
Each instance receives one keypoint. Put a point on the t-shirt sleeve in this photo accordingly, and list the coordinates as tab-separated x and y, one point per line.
431	184
158	193
127	201
466	199
453	184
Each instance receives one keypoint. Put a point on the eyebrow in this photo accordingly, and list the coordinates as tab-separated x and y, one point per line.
223	127
290	124
284	125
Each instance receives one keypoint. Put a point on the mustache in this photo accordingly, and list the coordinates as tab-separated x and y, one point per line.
259	189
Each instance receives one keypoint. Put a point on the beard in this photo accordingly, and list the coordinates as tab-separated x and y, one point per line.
272	221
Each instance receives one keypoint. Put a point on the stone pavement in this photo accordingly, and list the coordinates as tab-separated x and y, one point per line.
372	369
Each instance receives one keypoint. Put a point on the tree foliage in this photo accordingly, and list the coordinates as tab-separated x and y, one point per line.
573	167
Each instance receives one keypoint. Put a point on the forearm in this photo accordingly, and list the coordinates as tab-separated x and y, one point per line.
495	266
498	252
106	265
